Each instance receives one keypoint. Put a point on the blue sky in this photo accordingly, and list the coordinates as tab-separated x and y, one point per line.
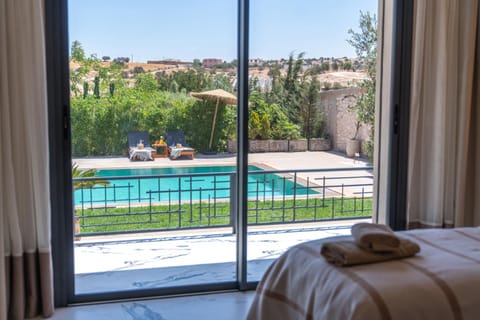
189	29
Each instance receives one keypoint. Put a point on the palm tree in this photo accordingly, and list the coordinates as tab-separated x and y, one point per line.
77	173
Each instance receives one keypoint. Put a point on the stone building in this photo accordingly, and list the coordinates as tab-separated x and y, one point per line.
209	62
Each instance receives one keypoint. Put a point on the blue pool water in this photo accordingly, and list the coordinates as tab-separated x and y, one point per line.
196	185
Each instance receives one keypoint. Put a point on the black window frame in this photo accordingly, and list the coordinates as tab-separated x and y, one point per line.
56	37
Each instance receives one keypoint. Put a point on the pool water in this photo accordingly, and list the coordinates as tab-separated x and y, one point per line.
195	183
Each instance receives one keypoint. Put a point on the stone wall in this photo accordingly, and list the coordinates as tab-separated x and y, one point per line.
340	122
319	144
340	125
255	146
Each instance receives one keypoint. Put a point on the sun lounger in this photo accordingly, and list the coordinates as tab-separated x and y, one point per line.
139	147
177	145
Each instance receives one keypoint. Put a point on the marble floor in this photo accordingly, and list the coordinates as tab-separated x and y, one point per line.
174	260
221	306
161	261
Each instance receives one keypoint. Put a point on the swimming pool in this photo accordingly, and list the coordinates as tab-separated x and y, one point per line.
181	184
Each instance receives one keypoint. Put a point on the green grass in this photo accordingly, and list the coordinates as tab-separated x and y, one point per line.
164	217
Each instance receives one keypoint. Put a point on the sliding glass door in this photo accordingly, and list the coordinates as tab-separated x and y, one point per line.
307	82
152	109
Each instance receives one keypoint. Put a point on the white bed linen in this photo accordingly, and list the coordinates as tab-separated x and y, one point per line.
440	282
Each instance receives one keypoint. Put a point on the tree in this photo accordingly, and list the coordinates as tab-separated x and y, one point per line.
325	66
85	89
197	64
121	60
308	108
221	81
292	86
77	53
78	75
258	126
275	94
335	66
146	82
253	84
365	44
347	65
85	66
111	88
138	70
365	41
268	121
96	88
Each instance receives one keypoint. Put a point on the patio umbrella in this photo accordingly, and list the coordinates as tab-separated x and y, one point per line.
215	95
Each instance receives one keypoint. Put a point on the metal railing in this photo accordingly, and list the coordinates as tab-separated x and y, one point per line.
204	200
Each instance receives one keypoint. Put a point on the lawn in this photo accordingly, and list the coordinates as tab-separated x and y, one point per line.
204	214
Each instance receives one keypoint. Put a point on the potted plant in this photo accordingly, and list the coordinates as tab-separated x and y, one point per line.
77	173
353	144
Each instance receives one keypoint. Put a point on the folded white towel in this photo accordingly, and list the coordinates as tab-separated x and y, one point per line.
375	237
347	253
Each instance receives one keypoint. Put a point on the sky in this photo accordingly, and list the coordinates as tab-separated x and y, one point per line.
197	29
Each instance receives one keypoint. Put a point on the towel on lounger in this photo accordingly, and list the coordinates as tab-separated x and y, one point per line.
375	237
347	253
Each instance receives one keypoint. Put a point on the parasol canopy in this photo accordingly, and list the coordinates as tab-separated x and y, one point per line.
215	95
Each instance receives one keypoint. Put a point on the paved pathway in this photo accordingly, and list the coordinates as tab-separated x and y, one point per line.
275	160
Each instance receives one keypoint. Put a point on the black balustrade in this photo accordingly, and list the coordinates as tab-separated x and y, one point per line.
207	200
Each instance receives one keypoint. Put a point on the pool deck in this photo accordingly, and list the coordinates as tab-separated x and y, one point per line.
274	160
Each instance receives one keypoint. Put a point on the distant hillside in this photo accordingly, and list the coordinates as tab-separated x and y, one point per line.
343	78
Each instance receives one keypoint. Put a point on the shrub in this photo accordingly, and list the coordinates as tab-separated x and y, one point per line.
195	118
101	126
337	85
272	122
137	70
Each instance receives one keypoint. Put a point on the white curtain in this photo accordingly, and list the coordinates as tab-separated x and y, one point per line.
444	155
25	262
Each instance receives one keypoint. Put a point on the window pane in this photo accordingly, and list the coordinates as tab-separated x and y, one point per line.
307	129
157	212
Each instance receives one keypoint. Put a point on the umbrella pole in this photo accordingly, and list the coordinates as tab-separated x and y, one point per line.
213	125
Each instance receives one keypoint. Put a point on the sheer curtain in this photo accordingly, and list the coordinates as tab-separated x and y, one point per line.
444	155
24	167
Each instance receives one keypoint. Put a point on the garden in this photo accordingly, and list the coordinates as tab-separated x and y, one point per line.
108	102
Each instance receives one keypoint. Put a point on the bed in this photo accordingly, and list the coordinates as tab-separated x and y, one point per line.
442	281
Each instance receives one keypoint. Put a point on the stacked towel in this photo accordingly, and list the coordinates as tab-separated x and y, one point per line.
347	253
371	243
375	237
